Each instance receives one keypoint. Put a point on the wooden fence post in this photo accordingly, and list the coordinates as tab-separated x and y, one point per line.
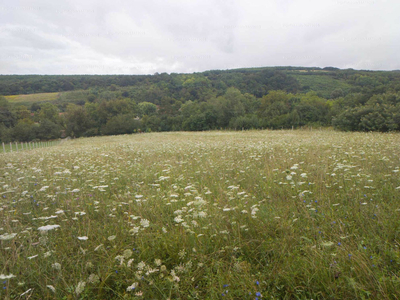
4	148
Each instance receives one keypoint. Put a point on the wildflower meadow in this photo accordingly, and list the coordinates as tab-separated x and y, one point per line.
208	215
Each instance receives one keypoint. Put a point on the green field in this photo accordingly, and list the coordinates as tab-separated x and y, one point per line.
31	98
207	215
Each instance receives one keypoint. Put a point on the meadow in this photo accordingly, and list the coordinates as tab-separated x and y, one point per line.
206	215
31	98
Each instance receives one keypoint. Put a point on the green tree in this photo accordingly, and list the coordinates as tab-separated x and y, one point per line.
48	130
77	121
24	131
22	112
7	118
147	109
121	124
49	112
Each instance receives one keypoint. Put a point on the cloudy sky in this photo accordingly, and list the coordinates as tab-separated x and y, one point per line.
182	36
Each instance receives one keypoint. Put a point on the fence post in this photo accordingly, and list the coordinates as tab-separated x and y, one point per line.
16	145
10	147
4	148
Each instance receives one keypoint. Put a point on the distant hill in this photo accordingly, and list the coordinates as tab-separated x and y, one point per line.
257	81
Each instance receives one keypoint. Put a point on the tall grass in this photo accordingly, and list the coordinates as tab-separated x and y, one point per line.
216	215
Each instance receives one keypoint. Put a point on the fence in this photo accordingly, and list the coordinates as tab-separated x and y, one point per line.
22	146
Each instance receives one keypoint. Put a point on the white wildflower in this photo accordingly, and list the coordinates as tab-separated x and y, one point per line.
2	276
129	264
132	287
145	223
141	265
127	253
48	227
157	262
80	287
202	214
6	236
178	219
93	278
134	230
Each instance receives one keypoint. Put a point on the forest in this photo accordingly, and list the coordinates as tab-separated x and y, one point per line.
239	99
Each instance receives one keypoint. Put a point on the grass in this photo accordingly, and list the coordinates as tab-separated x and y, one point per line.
213	215
31	98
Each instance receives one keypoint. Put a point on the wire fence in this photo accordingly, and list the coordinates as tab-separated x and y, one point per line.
23	146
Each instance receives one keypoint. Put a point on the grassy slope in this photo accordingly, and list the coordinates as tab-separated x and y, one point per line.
31	98
307	214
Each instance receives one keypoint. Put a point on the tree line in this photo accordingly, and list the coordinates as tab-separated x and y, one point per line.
234	99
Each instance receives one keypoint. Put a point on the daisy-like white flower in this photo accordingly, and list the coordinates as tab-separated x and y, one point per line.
111	237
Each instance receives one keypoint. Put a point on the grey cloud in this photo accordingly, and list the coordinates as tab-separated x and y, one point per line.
143	37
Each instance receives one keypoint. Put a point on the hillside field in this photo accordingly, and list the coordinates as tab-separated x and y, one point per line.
32	98
206	215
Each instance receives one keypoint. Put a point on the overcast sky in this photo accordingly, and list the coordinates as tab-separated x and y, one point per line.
182	36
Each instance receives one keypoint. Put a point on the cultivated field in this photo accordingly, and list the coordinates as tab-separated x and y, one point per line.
31	98
214	215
